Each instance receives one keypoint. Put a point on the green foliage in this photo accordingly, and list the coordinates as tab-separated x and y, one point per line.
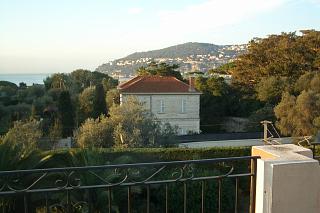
303	83
39	104
92	102
95	133
299	113
36	91
129	125
113	97
283	63
57	81
212	102
4	119
86	102
109	83
219	100
286	55
161	69
25	135
270	89
55	131
308	81
99	102
78	80
134	125
19	111
66	114
7	88
20	103
224	69
299	116
81	79
265	113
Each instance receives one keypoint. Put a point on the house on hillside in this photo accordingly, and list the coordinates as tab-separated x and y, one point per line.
169	99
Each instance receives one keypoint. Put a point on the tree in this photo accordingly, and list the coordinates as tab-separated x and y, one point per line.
223	69
265	113
109	83
66	114
308	81
39	104
86	102
113	97
270	89
5	119
299	116
212	102
129	125
285	55
19	111
55	131
134	126
303	83
161	69
99	102
298	113
80	79
8	88
95	133
25	135
57	81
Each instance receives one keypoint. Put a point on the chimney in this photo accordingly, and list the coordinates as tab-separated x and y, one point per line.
191	84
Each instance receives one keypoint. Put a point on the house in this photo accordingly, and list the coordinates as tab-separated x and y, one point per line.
169	99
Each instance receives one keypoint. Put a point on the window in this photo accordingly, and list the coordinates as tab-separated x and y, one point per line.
183	106
161	106
183	131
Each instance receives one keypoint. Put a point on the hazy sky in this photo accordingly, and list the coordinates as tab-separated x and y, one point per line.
41	36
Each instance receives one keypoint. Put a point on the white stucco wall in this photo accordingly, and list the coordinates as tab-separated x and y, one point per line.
188	121
287	180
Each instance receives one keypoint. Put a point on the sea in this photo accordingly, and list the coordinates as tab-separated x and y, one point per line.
29	79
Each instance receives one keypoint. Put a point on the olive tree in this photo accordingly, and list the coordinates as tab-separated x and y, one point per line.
128	125
25	135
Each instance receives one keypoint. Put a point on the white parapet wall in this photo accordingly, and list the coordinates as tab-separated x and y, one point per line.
288	180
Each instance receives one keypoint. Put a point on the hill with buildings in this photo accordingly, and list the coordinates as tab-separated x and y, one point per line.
190	56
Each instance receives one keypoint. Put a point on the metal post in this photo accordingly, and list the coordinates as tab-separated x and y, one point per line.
265	130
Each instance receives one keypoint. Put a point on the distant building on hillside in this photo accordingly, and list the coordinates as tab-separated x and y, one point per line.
169	99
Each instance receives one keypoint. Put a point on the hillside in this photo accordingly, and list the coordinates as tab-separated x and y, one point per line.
190	56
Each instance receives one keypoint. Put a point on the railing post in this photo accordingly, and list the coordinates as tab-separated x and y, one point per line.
287	179
253	185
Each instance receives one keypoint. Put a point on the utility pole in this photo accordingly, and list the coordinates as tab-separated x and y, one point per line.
265	130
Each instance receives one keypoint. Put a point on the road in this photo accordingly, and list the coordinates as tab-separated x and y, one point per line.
224	143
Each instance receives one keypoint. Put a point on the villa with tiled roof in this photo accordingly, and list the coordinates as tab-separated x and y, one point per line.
169	99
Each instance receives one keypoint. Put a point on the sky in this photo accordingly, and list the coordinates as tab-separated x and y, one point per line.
46	36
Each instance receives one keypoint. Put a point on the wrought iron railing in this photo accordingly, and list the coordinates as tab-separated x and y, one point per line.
215	185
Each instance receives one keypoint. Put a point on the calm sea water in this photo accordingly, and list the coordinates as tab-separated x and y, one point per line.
29	79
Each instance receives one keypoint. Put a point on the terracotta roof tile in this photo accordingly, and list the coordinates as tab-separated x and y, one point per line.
155	84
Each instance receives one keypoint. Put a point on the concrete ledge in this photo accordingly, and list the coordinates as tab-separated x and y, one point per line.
287	179
282	152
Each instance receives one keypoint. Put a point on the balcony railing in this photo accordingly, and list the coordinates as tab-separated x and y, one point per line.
215	185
